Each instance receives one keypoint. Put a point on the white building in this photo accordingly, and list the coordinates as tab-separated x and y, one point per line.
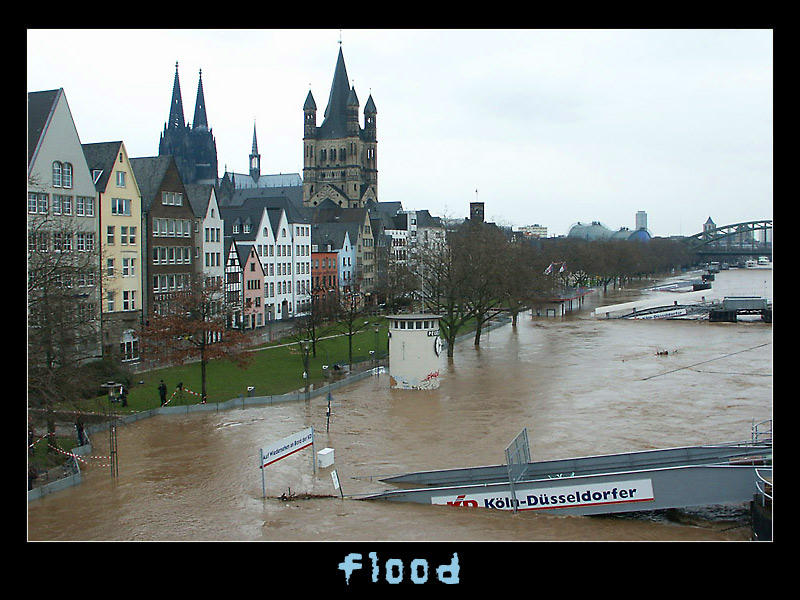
535	230
208	227
415	351
641	220
63	217
284	248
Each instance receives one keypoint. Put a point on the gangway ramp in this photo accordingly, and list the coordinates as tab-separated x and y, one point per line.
624	482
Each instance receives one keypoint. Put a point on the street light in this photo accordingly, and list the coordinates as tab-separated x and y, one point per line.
305	346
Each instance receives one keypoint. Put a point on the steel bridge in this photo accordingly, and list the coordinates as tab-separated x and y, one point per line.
751	238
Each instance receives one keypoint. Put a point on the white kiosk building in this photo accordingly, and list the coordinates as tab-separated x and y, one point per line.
414	351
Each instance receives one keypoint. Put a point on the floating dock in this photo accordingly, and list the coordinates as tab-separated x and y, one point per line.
592	485
689	301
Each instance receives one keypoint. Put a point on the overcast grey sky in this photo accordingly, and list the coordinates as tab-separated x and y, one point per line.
549	126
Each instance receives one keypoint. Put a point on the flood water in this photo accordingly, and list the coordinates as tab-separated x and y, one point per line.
581	386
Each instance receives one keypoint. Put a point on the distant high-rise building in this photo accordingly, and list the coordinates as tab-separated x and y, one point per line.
641	220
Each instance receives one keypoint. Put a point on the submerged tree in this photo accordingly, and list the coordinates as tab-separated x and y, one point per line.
444	281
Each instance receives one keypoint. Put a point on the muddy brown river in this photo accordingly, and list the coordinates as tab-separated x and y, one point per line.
582	386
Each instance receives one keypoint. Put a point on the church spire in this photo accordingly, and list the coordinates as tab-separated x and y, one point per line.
200	119
176	107
255	158
335	112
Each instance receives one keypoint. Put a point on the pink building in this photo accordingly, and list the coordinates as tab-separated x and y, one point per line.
253	287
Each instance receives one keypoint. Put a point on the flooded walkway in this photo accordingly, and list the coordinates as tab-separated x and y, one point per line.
581	386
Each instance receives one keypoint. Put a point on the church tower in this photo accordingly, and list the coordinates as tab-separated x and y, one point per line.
339	156
193	146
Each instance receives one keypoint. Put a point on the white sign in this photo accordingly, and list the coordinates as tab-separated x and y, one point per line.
335	478
664	314
564	496
288	445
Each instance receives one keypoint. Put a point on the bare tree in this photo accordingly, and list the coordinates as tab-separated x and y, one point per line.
350	314
481	250
193	326
444	280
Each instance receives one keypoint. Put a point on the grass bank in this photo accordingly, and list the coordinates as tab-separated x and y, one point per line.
276	368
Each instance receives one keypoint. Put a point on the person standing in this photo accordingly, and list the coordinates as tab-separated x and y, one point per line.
162	391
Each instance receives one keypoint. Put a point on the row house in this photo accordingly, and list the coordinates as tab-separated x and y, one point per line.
234	275
168	232
365	274
282	240
62	224
209	232
253	281
119	203
324	273
244	285
336	237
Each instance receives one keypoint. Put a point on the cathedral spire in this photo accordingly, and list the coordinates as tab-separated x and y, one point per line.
176	107
255	141
200	119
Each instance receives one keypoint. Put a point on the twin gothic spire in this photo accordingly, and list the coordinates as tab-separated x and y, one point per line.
176	118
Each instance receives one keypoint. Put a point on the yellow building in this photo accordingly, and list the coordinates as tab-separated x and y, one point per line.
121	263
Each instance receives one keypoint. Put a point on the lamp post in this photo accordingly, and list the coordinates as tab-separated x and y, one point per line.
305	346
112	430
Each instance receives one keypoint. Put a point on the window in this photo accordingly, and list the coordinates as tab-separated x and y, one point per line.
33	203
85	242
172	198
132	235
120	178
110	267
129	300
121	206
110	235
110	301
66	205
57	172
123	235
128	267
67	175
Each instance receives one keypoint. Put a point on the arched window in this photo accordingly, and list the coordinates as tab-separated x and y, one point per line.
56	174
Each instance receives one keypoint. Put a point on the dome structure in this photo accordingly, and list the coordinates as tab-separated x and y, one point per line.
593	232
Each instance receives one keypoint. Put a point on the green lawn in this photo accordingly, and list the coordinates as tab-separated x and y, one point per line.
275	369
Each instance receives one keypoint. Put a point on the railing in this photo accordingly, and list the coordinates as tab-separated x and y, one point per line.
759	433
763	485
